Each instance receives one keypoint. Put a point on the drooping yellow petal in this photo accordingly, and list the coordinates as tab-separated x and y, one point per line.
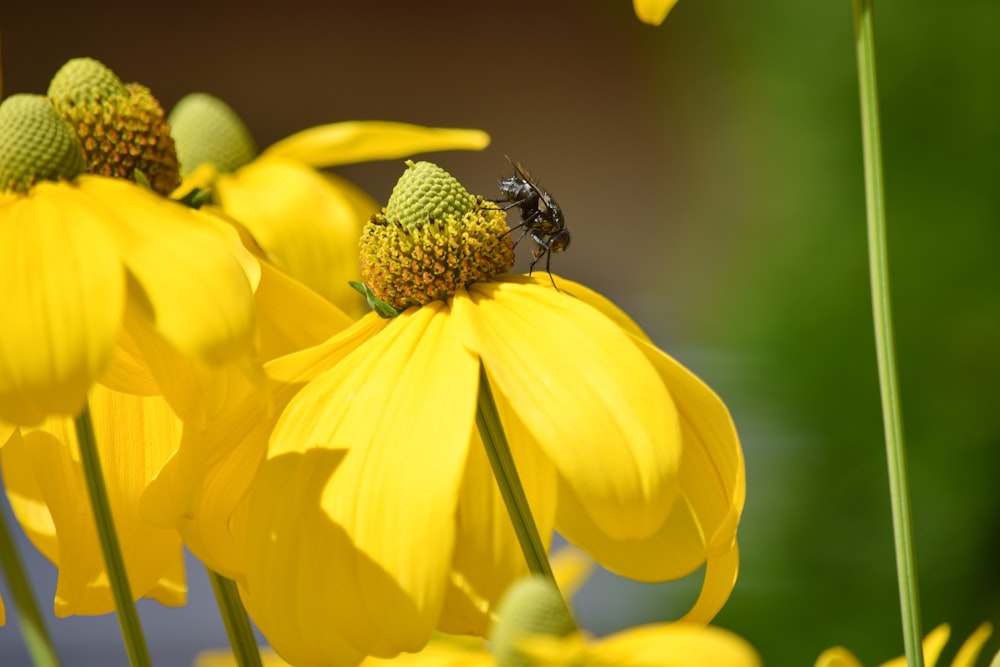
291	316
199	489
571	569
202	490
363	472
193	286
196	390
63	293
135	437
364	141
702	525
675	645
488	556
653	12
308	226
589	397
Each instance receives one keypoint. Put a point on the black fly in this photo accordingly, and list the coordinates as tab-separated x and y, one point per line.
541	216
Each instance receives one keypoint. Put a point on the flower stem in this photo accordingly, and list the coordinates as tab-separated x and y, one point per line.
505	472
128	617
234	615
864	31
36	635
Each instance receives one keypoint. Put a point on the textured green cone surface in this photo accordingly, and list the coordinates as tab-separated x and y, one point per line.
425	191
83	81
207	130
121	127
35	144
532	606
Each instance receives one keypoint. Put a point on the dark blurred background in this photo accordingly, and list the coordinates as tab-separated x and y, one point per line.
710	170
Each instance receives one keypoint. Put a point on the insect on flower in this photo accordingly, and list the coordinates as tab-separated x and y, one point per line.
541	216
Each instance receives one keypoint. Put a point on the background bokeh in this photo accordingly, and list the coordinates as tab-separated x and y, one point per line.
710	170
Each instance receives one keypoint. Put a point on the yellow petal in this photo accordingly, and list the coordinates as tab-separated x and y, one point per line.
306	364
972	647
197	391
933	644
838	656
25	496
488	556
675	645
653	11
135	436
589	397
291	316
354	508
309	228
200	489
193	286
571	568
364	141
63	289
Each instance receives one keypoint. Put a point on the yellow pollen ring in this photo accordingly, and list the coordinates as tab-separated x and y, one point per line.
413	265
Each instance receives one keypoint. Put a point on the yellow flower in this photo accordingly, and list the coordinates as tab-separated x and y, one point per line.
106	282
376	499
307	222
933	645
88	260
653	11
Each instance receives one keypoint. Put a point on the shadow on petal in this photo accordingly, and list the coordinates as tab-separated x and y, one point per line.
314	595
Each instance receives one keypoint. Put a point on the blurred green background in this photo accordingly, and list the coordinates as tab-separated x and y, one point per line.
710	170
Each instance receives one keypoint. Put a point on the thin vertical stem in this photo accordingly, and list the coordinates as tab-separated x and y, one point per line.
505	472
128	617
32	624
864	31
234	615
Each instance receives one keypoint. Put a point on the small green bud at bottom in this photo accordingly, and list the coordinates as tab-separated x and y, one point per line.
532	606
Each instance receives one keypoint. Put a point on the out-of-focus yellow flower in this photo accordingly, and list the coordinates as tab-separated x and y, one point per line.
376	499
307	222
934	643
157	312
653	11
88	260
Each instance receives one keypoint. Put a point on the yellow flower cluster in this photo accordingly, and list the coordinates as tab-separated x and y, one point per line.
331	464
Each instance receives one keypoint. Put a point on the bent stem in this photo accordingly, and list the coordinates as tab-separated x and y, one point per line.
234	615
128	617
878	267
505	473
36	635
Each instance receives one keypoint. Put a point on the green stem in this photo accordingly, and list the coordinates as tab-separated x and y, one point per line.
128	617
505	472
864	30
234	615
36	635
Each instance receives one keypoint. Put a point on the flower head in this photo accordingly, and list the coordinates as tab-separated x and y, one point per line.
88	259
307	222
376	499
121	127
